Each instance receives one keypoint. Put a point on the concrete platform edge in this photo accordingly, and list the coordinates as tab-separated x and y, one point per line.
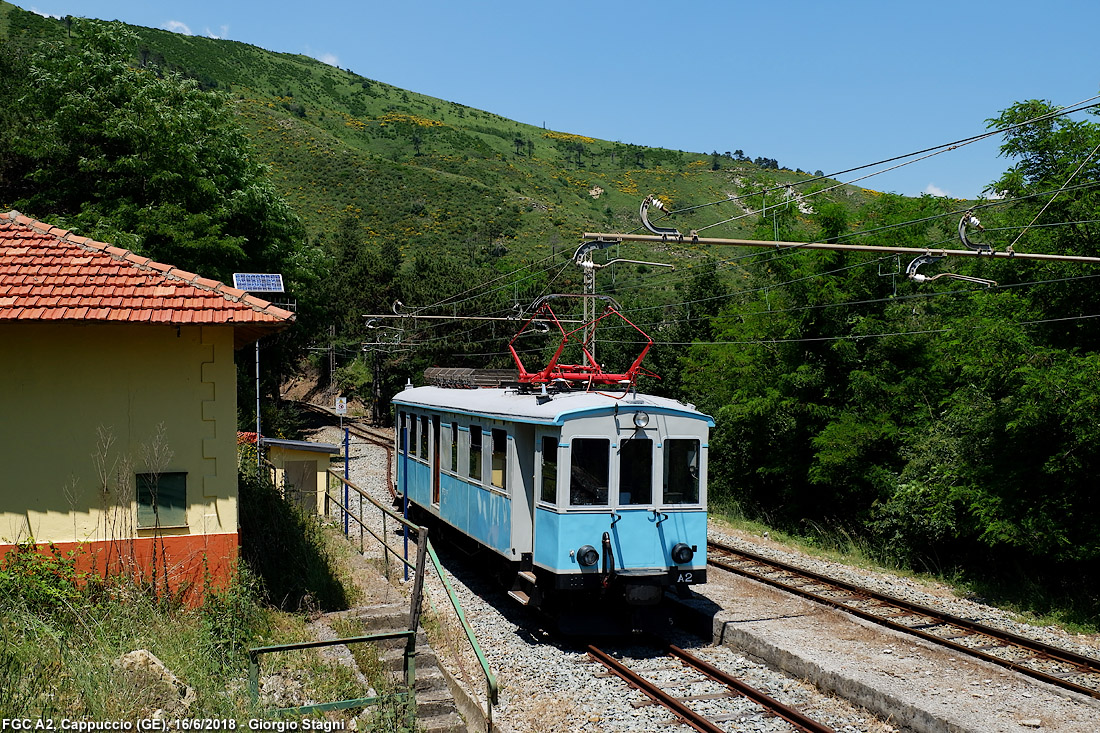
888	707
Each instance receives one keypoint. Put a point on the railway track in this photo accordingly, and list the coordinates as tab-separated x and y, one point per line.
1050	664
375	436
713	686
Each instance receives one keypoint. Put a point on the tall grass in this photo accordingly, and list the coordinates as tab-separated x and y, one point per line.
62	634
287	549
61	639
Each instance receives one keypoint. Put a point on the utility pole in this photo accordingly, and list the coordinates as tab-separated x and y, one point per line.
589	268
264	284
331	355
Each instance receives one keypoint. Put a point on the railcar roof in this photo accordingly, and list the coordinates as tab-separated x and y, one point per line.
508	404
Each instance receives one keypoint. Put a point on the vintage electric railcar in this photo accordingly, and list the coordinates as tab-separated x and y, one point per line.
575	492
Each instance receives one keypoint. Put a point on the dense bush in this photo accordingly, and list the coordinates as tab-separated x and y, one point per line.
286	548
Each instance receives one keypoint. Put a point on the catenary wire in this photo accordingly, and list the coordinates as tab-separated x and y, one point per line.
1076	107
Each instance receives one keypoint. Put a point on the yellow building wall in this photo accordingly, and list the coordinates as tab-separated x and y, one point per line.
278	456
86	407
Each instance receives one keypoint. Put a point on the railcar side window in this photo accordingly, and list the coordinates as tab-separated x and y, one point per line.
447	438
402	424
636	471
550	469
681	471
454	447
588	471
475	452
412	435
499	476
424	423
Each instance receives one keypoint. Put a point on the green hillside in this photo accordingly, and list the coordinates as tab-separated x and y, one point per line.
426	173
418	167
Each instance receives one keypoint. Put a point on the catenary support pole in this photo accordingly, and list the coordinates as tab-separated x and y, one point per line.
258	459
405	491
347	473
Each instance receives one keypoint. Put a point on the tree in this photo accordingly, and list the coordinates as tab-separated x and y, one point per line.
833	219
143	159
1047	156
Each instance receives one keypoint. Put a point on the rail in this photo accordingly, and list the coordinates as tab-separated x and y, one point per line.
1021	654
491	687
695	719
360	432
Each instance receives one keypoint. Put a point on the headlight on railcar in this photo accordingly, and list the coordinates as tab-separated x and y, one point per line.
588	556
682	554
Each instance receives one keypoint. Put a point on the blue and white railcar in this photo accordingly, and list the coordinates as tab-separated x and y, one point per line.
574	491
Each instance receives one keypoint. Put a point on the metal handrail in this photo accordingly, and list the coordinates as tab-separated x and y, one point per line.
367	529
372	500
254	672
492	687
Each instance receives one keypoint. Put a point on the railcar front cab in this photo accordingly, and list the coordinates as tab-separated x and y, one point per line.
621	502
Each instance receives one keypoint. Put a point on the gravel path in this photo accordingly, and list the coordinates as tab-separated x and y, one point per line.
548	685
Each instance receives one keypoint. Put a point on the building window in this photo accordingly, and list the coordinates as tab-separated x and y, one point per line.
550	469
588	471
636	471
162	500
681	471
499	477
475	452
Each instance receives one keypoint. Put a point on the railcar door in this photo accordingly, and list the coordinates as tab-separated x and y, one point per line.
435	460
544	505
521	490
638	530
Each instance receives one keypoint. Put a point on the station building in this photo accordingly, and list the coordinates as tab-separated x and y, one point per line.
118	405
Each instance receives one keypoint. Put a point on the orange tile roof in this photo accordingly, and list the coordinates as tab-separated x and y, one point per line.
49	274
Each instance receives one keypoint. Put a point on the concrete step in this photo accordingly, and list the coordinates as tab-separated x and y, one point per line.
377	619
394	659
448	723
399	642
431	703
436	710
429	679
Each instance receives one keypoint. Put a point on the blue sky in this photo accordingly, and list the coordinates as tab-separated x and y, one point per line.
815	85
